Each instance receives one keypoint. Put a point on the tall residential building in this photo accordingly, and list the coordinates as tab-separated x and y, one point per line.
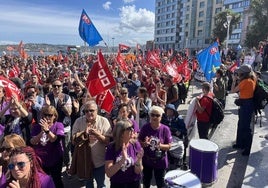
168	20
239	30
181	24
199	22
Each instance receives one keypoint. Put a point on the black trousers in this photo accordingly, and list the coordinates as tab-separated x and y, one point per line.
203	128
158	175
134	184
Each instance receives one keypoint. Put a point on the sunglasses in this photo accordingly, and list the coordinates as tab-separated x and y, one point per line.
155	115
20	165
5	149
89	110
130	128
54	86
123	93
48	115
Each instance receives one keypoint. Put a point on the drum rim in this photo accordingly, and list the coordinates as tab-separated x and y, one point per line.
188	172
206	151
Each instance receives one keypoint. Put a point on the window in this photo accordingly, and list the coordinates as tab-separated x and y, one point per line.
202	4
168	23
218	1
201	13
188	8
186	25
187	16
199	32
217	10
200	23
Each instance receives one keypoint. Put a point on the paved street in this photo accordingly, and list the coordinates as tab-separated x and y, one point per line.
231	164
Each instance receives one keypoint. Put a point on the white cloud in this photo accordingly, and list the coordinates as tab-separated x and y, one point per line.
140	20
107	5
128	1
49	25
8	42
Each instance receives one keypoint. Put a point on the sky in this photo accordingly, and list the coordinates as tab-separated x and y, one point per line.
56	21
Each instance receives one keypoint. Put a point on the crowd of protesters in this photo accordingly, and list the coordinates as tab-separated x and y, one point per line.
63	125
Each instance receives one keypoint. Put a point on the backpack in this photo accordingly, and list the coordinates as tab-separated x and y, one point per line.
182	91
260	96
217	113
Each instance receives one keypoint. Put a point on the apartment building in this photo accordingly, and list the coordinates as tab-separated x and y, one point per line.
239	30
181	24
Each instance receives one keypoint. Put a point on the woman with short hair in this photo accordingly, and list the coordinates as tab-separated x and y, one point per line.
155	139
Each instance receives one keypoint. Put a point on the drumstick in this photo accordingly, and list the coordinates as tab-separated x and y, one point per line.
170	181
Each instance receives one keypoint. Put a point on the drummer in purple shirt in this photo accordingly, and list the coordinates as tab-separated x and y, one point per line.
123	160
155	139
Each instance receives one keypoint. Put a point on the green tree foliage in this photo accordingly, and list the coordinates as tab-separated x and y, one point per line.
220	31
259	30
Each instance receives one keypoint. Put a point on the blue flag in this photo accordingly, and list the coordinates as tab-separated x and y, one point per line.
209	60
87	30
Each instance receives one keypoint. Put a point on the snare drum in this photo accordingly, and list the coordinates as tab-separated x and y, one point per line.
203	160
180	178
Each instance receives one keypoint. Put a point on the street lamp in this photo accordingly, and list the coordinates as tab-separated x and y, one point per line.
229	18
113	44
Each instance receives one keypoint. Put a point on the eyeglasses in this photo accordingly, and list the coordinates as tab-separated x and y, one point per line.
123	93
89	110
13	109
5	149
54	86
20	165
155	115
48	115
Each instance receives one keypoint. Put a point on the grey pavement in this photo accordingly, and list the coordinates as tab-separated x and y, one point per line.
234	170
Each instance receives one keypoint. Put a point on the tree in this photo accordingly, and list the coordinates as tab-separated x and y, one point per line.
259	30
220	31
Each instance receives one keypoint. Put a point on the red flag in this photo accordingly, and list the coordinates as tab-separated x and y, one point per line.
172	72
185	70
59	57
122	63
194	65
105	101
233	67
41	52
21	51
100	78
10	88
153	60
14	72
10	48
124	48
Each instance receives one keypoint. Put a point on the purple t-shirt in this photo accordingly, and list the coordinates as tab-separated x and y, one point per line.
3	180
46	181
49	152
162	135
135	126
126	174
